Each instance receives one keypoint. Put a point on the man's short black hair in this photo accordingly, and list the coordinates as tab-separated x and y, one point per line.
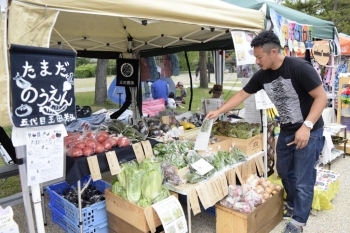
266	39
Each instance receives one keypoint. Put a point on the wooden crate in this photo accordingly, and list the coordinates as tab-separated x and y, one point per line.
130	213
262	220
116	225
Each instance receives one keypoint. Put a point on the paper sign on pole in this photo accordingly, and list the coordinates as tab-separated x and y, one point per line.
45	154
171	215
262	101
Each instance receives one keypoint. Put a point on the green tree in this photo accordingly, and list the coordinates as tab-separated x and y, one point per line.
330	10
81	61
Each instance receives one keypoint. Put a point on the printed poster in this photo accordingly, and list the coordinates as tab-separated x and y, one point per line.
262	101
171	215
45	154
252	115
244	52
42	86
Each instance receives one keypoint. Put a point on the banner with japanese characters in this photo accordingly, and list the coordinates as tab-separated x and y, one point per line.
42	86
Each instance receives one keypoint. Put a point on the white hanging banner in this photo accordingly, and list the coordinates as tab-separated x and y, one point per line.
262	101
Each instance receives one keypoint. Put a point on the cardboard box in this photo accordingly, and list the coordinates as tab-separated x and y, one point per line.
124	213
131	213
262	220
248	146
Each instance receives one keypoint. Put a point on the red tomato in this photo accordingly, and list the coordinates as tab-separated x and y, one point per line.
107	145
89	134
76	152
80	145
123	142
90	142
113	141
99	148
88	151
101	138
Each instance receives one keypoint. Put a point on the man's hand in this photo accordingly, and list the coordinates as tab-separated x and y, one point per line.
213	114
302	137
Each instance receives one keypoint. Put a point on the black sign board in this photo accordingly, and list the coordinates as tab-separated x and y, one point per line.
42	86
127	72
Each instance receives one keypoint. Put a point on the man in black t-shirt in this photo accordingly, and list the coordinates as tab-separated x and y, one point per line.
296	90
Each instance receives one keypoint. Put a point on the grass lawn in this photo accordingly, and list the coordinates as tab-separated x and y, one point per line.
12	185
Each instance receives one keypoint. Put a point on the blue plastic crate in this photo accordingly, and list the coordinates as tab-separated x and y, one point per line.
91	214
210	210
65	224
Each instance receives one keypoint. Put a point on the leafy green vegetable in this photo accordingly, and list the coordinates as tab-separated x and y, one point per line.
151	184
133	184
164	193
144	202
117	188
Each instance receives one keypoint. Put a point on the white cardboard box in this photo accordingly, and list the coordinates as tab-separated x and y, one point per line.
10	229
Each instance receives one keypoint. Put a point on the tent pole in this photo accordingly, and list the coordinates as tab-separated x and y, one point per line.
191	83
21	152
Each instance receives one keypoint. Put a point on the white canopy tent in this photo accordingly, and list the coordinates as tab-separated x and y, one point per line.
124	26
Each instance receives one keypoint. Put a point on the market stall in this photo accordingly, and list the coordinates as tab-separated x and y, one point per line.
86	28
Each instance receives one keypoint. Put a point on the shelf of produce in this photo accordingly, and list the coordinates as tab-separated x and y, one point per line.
185	189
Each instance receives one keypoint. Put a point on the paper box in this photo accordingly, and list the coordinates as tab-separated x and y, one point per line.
131	213
248	146
13	228
142	219
262	220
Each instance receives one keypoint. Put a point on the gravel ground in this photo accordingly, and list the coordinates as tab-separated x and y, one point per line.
330	221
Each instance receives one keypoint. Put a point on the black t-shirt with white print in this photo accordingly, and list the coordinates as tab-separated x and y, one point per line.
288	88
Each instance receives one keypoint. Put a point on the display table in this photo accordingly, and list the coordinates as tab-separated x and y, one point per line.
326	187
185	189
77	168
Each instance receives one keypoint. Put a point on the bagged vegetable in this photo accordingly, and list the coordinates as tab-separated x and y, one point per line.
144	202
164	193
117	188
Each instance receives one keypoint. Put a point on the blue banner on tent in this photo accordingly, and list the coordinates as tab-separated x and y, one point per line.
42	86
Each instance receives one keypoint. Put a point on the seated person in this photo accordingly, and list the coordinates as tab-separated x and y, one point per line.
183	93
160	90
171	101
217	91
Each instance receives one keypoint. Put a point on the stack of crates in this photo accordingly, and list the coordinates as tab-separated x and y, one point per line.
66	214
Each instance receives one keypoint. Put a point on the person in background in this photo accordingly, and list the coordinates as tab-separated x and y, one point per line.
160	90
216	91
171	101
183	94
197	73
295	88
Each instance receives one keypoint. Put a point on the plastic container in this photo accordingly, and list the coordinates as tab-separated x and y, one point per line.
91	215
65	224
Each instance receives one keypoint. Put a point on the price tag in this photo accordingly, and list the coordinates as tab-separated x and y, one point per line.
212	191
94	168
147	149
218	189
260	169
203	195
231	176
238	173
165	120
113	162
202	167
138	152
260	159
224	185
193	198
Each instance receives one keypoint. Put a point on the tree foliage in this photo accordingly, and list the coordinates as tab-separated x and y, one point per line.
330	10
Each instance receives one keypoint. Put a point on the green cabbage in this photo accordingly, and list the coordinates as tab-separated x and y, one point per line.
151	184
144	202
133	184
164	193
117	188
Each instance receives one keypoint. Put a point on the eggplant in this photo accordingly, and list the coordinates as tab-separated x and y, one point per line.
164	127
